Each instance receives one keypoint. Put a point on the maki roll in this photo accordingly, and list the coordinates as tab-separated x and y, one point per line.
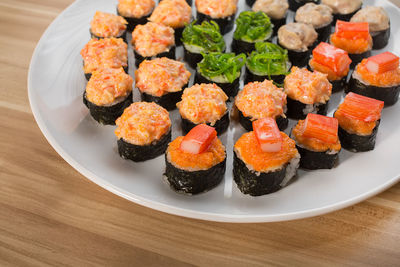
261	100
296	4
334	62
203	38
269	61
204	103
106	25
354	38
317	141
173	13
222	69
377	77
379	24
143	131
359	118
135	11
251	27
221	11
153	40
343	9
276	10
264	160
162	81
299	39
195	163
307	92
104	53
319	16
107	94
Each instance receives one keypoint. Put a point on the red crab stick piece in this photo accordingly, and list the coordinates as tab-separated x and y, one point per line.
336	59
268	135
198	139
321	127
382	63
352	30
361	107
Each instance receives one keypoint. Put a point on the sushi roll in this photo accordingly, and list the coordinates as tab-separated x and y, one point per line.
106	25
204	103
143	131
203	38
221	11
153	40
104	53
354	38
107	94
195	163
319	16
260	100
222	69
307	92
334	62
269	61
317	141
264	160
251	27
135	11
296	4
162	81
173	13
299	39
379	24
343	9
276	10
377	77
359	118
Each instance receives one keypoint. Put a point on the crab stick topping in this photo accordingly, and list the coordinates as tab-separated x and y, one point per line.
382	79
216	8
198	139
173	13
268	135
336	59
352	30
321	127
135	8
382	63
107	25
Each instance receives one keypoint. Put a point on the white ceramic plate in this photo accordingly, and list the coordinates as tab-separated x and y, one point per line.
55	86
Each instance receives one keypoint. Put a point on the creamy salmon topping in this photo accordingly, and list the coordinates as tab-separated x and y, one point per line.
343	6
135	8
249	151
214	155
385	79
160	76
217	8
354	126
173	13
275	9
142	123
316	15
152	38
297	36
376	16
307	87
107	25
203	103
261	100
104	53
108	86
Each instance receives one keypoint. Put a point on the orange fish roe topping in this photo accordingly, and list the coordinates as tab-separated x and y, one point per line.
142	123
312	144
249	151
152	39
332	76
203	103
173	13
385	79
104	53
108	86
193	162
161	75
261	100
353	126
307	87
107	25
356	46
216	8
135	8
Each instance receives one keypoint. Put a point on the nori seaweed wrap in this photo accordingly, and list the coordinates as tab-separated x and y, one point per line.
220	125
295	4
225	24
139	59
246	122
250	3
358	143
167	101
122	36
343	9
314	160
298	111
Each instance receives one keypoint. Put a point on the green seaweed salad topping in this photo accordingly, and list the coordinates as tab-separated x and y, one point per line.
221	67
204	37
253	26
268	59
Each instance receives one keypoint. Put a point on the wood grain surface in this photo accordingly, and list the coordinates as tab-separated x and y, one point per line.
52	215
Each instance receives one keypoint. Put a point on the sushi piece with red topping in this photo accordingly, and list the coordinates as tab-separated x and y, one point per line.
221	11
135	11
106	25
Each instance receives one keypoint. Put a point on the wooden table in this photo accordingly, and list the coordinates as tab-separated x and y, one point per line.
52	215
